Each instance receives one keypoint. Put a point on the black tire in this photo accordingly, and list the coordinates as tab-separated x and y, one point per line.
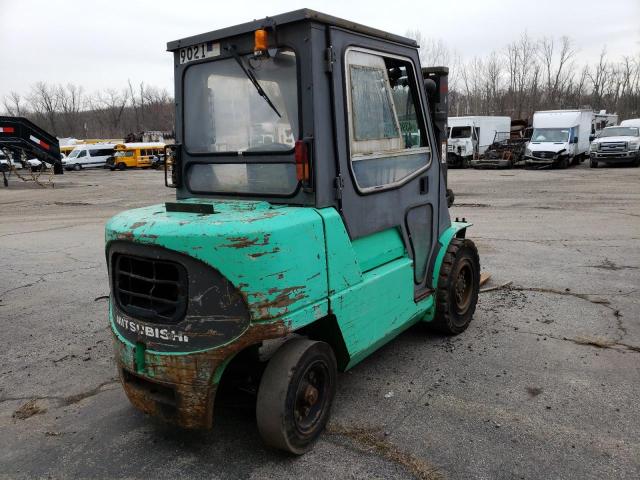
458	287
636	163
564	163
121	166
77	167
295	395
593	163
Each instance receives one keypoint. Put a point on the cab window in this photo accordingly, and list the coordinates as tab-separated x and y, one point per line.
388	140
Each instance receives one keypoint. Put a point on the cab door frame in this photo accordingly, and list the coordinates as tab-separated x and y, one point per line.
394	206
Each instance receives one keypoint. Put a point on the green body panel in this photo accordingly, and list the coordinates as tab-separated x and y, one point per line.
372	307
343	269
293	265
378	249
374	311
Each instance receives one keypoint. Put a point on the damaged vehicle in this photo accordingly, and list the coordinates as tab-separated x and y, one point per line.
310	225
507	149
469	138
560	138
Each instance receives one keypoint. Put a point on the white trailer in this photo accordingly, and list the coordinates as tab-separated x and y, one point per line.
560	138
469	137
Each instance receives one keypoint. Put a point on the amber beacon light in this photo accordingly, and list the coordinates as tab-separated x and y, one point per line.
260	43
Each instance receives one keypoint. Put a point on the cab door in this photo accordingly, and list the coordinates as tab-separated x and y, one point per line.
387	160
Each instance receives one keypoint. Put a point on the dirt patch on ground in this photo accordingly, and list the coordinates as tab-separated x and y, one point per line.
372	440
28	410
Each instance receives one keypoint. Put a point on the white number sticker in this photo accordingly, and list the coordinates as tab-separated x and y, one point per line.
199	52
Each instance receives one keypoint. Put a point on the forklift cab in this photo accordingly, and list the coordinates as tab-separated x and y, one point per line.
311	221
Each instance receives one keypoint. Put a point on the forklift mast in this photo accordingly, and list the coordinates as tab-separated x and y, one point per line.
436	82
17	135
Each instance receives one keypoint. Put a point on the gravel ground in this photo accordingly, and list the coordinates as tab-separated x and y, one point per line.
545	382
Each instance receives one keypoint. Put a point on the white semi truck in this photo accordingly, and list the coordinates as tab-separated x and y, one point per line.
469	137
560	138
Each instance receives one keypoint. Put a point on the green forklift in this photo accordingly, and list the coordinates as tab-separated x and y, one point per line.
310	225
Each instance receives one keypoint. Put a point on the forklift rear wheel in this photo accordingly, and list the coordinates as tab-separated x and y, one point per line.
295	395
593	163
458	287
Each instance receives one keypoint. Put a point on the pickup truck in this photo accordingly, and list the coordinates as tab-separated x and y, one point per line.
616	145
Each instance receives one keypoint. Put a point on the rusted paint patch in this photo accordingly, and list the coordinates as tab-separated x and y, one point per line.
259	254
137	225
189	377
282	300
244	242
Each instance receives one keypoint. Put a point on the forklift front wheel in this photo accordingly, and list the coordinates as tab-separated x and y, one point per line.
295	395
458	287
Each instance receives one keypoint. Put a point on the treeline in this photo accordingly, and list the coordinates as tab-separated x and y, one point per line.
532	74
68	111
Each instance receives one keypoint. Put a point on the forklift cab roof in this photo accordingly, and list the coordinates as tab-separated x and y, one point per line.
303	14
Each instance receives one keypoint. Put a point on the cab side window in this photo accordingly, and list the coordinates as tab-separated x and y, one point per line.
388	140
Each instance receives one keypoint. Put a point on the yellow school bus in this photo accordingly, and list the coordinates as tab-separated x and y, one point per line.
134	155
66	149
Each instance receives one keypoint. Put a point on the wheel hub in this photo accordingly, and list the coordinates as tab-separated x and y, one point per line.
463	287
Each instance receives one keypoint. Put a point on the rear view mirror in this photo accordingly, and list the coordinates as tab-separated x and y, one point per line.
574	140
173	166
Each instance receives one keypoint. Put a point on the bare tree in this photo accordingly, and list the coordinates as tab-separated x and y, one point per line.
13	104
45	102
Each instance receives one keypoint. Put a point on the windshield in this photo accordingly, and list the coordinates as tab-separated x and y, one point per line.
460	132
557	135
224	112
620	132
75	153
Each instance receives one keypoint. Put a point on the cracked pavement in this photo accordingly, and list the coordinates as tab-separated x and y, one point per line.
545	382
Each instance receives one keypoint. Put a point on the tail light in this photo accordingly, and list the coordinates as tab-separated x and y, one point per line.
302	161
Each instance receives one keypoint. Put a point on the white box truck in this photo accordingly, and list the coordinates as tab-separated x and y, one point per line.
469	137
560	138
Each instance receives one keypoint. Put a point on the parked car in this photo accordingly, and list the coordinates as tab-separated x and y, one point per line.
616	145
89	156
560	138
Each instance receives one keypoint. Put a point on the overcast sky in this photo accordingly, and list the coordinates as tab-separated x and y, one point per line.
101	44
